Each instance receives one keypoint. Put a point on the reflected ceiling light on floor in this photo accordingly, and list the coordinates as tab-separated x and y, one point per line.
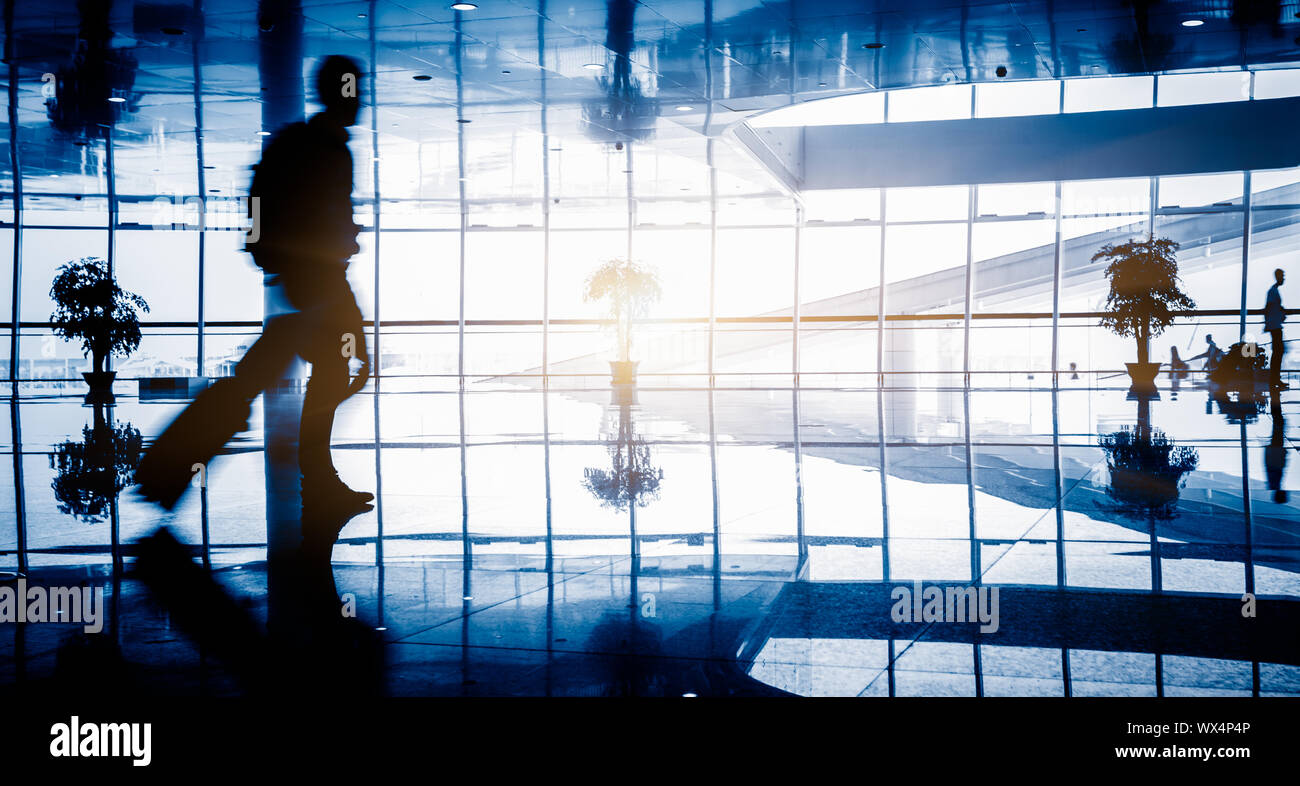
684	108
594	66
263	133
116	100
1193	22
463	7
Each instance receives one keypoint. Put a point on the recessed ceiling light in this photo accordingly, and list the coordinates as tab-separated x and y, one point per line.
361	16
117	99
463	6
422	77
505	70
873	45
1193	22
594	66
467	597
821	84
263	133
684	108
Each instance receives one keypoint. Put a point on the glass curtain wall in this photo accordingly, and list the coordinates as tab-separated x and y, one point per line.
971	273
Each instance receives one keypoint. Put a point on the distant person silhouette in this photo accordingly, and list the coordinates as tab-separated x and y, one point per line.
1275	453
303	236
1212	354
1177	366
1274	316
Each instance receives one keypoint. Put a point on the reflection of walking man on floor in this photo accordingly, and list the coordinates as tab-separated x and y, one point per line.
1275	454
302	238
1274	316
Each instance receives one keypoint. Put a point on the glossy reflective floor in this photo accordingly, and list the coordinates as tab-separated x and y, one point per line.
734	542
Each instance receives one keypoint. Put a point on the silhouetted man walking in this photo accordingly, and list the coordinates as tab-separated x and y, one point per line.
1212	354
1274	316
303	236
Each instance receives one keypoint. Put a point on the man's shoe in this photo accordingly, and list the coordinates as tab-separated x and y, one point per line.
332	493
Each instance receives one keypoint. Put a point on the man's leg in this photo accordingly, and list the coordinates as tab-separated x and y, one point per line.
215	415
1275	367
326	390
330	320
270	355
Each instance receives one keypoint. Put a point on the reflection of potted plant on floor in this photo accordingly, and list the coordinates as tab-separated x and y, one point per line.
1144	293
91	472
89	306
632	480
629	288
1146	466
1147	470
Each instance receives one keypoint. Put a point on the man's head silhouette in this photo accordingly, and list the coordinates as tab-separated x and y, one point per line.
338	88
1279	275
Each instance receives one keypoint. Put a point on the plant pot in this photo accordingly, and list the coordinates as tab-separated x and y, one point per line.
100	384
1143	375
623	371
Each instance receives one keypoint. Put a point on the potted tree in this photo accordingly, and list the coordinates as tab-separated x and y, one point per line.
629	288
1144	293
89	306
